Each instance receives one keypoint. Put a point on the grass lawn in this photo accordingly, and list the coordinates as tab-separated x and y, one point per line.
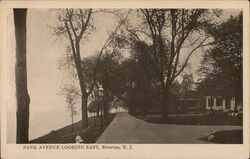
203	119
220	137
68	133
227	137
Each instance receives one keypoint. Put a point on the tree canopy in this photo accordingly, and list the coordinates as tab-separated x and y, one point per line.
222	63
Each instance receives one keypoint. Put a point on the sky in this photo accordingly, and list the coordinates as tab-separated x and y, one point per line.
43	52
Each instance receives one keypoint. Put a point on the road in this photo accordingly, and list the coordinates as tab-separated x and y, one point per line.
128	129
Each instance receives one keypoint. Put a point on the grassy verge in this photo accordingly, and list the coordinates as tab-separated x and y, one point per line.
68	133
203	119
226	137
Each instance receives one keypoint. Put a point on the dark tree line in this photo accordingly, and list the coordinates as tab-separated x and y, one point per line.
222	63
157	44
167	33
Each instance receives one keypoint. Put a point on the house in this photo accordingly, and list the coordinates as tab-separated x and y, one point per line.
191	102
222	104
190	99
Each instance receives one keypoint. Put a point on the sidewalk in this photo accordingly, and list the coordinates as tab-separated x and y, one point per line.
128	129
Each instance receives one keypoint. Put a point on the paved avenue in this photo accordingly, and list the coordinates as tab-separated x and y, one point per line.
128	129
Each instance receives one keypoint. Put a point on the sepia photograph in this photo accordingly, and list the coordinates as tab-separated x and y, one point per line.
90	76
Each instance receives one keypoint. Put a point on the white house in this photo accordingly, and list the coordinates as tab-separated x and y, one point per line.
220	103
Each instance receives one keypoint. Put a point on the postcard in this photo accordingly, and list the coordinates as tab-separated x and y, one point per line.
124	79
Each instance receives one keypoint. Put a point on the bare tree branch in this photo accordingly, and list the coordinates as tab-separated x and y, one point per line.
106	44
71	40
141	31
133	34
84	26
189	55
71	24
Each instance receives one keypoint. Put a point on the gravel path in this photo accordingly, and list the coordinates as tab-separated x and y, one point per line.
128	129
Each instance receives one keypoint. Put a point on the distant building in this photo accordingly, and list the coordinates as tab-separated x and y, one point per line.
222	104
190	99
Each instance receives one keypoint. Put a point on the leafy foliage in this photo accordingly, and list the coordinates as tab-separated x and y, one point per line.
222	63
168	32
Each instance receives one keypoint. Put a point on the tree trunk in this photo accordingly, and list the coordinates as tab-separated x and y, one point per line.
105	112
72	121
165	99
165	107
82	85
84	111
22	96
143	111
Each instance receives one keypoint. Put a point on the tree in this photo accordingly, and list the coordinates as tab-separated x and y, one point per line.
175	93
108	74
76	24
222	63
22	96
139	71
168	32
71	95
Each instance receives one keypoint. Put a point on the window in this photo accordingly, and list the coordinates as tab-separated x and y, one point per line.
219	101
